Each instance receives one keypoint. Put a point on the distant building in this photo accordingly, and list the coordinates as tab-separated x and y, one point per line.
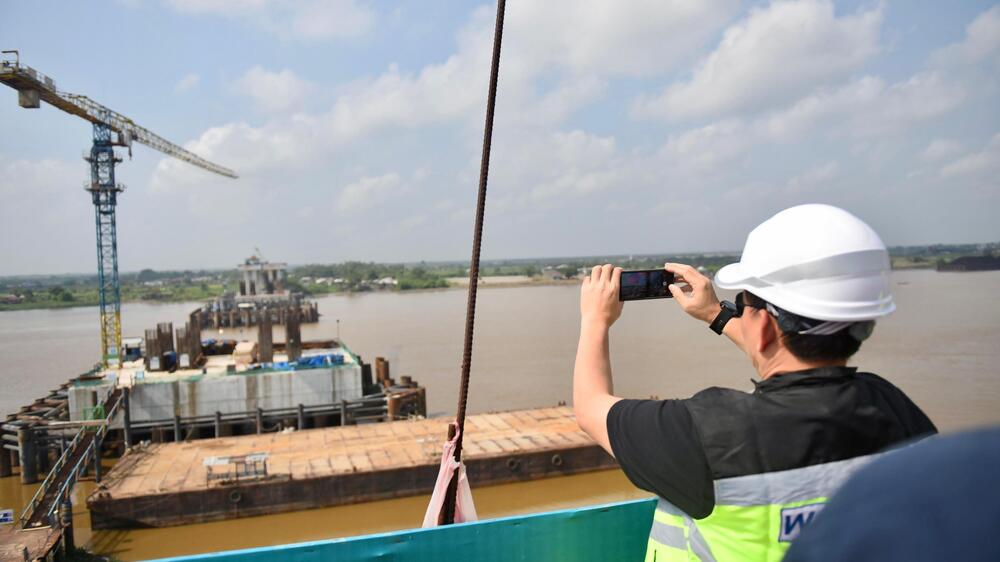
971	263
262	278
262	286
552	274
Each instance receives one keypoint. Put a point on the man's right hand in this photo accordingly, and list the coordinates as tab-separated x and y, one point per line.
697	298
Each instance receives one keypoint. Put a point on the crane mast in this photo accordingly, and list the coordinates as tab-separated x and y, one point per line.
110	129
104	194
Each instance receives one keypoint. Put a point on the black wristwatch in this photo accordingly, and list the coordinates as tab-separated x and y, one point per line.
725	315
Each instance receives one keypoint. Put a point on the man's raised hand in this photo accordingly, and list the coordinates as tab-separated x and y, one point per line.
697	297
599	296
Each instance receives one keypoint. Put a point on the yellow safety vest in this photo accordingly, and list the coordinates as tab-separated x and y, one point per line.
756	517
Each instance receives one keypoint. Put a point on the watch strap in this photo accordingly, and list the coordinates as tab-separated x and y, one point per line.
727	311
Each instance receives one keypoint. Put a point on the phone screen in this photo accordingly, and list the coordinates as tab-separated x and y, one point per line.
645	284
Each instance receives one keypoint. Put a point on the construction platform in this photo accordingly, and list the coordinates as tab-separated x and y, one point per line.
19	545
177	483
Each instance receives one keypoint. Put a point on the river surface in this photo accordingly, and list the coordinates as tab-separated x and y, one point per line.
941	347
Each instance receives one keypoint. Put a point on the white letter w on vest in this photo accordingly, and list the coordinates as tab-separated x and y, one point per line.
793	519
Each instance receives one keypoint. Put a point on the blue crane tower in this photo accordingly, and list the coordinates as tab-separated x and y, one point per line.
111	129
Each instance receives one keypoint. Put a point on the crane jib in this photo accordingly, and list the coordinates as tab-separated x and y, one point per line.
33	86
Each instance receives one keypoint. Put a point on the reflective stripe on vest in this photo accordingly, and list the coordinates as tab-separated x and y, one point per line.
755	517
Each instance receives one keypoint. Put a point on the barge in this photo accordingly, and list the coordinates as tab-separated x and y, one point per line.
177	389
178	483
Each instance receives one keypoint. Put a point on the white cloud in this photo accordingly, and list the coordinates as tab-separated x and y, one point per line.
527	108
868	106
187	83
554	148
707	148
775	55
553	166
268	159
45	175
981	42
637	37
572	45
250	151
464	215
275	92
299	19
941	148
412	222
813	178
864	108
47	221
575	163
985	161
539	48
368	191
439	92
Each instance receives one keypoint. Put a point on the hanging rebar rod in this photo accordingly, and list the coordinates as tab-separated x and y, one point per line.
470	313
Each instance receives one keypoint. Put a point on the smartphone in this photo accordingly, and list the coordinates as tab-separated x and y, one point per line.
645	284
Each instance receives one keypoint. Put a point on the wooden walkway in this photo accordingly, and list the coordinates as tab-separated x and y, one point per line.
168	484
58	485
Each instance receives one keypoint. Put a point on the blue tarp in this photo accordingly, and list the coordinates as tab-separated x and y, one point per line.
321	360
597	533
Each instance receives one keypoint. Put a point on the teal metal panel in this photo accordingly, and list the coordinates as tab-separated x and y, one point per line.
599	533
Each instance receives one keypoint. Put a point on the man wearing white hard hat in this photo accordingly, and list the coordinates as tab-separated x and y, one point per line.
740	474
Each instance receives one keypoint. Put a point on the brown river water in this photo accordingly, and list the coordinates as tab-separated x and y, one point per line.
941	347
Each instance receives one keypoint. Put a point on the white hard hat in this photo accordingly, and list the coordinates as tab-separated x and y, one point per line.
816	261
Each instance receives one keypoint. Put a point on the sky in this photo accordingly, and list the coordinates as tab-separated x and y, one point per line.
627	127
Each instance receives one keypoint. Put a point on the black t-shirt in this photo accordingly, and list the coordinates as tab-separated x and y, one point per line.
676	448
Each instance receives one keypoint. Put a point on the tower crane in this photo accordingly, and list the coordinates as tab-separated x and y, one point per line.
111	129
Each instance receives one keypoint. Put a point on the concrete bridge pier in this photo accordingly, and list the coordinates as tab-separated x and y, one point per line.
66	522
6	462
28	455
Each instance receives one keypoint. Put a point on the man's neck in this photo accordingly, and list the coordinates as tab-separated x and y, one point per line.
785	362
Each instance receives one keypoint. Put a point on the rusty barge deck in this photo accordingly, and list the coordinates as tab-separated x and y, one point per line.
178	483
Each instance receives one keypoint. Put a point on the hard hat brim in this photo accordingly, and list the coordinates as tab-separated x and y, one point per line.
732	276
819	299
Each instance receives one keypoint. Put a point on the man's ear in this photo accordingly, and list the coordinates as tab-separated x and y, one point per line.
769	332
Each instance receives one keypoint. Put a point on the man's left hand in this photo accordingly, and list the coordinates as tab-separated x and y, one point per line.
599	302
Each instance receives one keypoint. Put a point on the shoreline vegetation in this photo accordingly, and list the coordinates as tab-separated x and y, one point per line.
30	292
